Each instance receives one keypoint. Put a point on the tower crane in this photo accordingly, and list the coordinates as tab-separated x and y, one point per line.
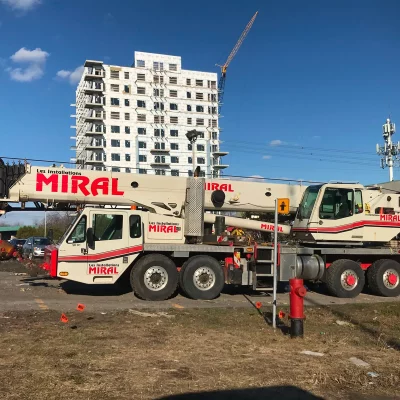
224	67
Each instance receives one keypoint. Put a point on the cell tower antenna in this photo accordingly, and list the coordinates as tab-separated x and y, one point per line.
389	152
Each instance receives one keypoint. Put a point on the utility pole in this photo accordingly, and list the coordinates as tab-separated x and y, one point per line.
389	152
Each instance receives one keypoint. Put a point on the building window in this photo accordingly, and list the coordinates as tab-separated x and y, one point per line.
158	92
213	123
114	115
190	160
114	101
188	82
199	82
174	172
127	170
140	63
159	119
189	121
127	157
158	79
127	143
213	84
141	103
114	74
214	135
212	97
127	117
200	147
173	93
174	160
115	157
142	145
201	160
141	90
190	146
159	159
114	88
114	143
142	158
199	121
173	67
173	80
141	77
127	88
173	107
127	129
173	120
188	95
174	146
115	169
127	104
173	132
199	96
199	109
159	146
214	148
159	132
189	107
115	129
160	171
126	75
212	110
141	131
142	171
141	117
158	106
158	66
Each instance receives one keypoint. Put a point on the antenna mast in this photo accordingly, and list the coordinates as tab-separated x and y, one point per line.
389	151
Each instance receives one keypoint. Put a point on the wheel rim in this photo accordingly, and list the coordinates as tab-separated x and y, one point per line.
156	278
349	280
204	278
391	278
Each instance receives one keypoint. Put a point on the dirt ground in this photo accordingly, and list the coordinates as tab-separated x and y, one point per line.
128	355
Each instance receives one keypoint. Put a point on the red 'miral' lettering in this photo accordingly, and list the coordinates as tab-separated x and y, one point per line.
103	271
270	227
40	179
80	182
92	270
390	217
163	228
100	184
225	187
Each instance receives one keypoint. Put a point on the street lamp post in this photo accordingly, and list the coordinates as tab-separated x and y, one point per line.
192	137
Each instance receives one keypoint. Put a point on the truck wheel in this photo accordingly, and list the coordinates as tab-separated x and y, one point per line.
345	278
202	278
383	278
154	277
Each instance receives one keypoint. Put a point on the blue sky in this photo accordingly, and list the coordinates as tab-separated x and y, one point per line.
314	79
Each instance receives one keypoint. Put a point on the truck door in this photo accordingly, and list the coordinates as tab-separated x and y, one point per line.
116	242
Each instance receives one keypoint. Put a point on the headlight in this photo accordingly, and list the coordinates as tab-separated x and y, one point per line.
36	248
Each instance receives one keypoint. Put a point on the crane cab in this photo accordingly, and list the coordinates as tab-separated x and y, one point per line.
343	213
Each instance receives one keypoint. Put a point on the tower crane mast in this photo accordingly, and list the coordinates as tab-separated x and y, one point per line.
224	67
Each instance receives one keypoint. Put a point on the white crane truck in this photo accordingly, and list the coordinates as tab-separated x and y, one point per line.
343	233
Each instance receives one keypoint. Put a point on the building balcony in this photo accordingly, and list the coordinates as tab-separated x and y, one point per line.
160	163
94	87
94	73
94	132
94	101
220	153
154	150
95	116
94	146
220	166
94	161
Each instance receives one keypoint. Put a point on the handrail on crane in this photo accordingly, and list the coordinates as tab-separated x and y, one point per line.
224	67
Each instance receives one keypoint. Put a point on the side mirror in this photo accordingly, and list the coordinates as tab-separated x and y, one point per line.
90	237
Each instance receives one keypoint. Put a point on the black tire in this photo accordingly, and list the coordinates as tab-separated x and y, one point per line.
165	279
212	272
339	279
378	275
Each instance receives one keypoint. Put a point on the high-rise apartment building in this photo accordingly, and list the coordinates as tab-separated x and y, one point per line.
135	119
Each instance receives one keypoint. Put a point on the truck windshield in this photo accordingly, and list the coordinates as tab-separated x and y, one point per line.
308	201
69	228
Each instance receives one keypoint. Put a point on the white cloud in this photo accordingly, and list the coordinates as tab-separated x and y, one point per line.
36	60
276	142
266	157
316	137
21	5
73	76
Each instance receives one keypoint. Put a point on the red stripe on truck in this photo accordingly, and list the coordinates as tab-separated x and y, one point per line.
102	256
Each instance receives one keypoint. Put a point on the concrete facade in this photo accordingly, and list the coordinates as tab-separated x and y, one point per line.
135	119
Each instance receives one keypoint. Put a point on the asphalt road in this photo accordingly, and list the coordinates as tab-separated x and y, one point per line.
18	291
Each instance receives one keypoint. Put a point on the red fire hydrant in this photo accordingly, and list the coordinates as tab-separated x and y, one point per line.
297	294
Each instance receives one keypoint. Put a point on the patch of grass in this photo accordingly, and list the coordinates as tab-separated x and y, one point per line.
127	356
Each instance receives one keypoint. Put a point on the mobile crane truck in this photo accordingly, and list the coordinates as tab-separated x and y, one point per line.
343	232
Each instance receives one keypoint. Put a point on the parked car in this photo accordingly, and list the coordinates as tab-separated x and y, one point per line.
18	243
34	247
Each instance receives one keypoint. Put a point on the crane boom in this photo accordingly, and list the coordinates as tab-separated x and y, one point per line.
224	67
